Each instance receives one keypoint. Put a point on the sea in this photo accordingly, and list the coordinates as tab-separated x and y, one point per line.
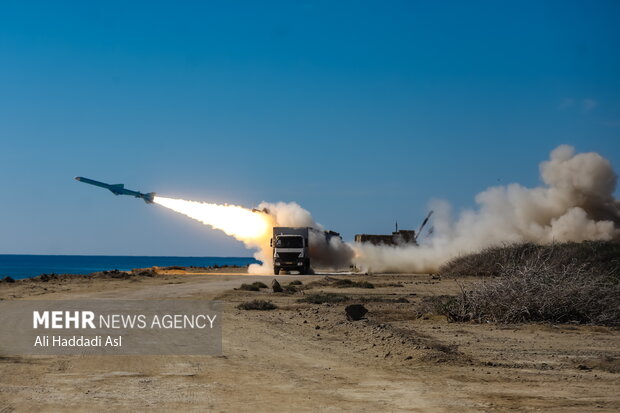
26	266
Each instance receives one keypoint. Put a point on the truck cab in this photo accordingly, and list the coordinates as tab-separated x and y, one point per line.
290	250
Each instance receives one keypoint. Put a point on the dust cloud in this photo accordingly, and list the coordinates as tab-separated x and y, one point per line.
575	203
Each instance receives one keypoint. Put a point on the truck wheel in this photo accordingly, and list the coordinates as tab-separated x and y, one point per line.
276	270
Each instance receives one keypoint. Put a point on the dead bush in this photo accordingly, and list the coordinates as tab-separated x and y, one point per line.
260	305
556	283
320	298
593	256
249	287
436	304
381	299
347	283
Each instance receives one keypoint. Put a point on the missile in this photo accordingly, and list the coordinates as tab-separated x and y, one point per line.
118	189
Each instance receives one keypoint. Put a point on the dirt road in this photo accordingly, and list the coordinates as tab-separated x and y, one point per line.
308	357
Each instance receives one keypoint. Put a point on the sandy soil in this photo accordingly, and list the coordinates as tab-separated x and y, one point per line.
308	357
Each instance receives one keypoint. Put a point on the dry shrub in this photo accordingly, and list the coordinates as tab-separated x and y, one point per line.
320	298
260	305
173	267
249	287
323	282
380	299
347	283
328	281
556	283
435	304
593	256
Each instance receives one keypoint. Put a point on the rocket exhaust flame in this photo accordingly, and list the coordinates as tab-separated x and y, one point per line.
241	223
252	227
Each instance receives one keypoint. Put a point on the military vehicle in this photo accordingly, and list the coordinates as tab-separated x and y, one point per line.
293	247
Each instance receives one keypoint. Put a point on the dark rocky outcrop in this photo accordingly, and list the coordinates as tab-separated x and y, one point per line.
276	287
355	312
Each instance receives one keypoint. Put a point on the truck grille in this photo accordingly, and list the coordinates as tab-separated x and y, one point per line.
288	256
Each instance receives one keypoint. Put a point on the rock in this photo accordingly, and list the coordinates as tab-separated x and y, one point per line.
275	285
8	279
355	312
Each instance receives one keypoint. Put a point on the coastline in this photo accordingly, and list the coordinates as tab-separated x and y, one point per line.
19	266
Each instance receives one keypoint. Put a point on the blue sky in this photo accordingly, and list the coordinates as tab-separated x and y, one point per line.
361	112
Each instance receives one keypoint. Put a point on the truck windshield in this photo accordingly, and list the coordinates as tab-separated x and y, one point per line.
290	242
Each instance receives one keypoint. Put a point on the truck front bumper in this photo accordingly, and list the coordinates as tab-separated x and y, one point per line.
292	265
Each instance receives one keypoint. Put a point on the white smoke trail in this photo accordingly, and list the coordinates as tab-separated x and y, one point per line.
576	203
254	229
236	221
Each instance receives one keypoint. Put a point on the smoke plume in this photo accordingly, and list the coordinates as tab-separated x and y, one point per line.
254	229
576	203
326	254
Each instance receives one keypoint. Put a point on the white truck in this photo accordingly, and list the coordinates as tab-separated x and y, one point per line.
294	246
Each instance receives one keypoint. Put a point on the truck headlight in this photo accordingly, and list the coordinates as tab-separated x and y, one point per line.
300	263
